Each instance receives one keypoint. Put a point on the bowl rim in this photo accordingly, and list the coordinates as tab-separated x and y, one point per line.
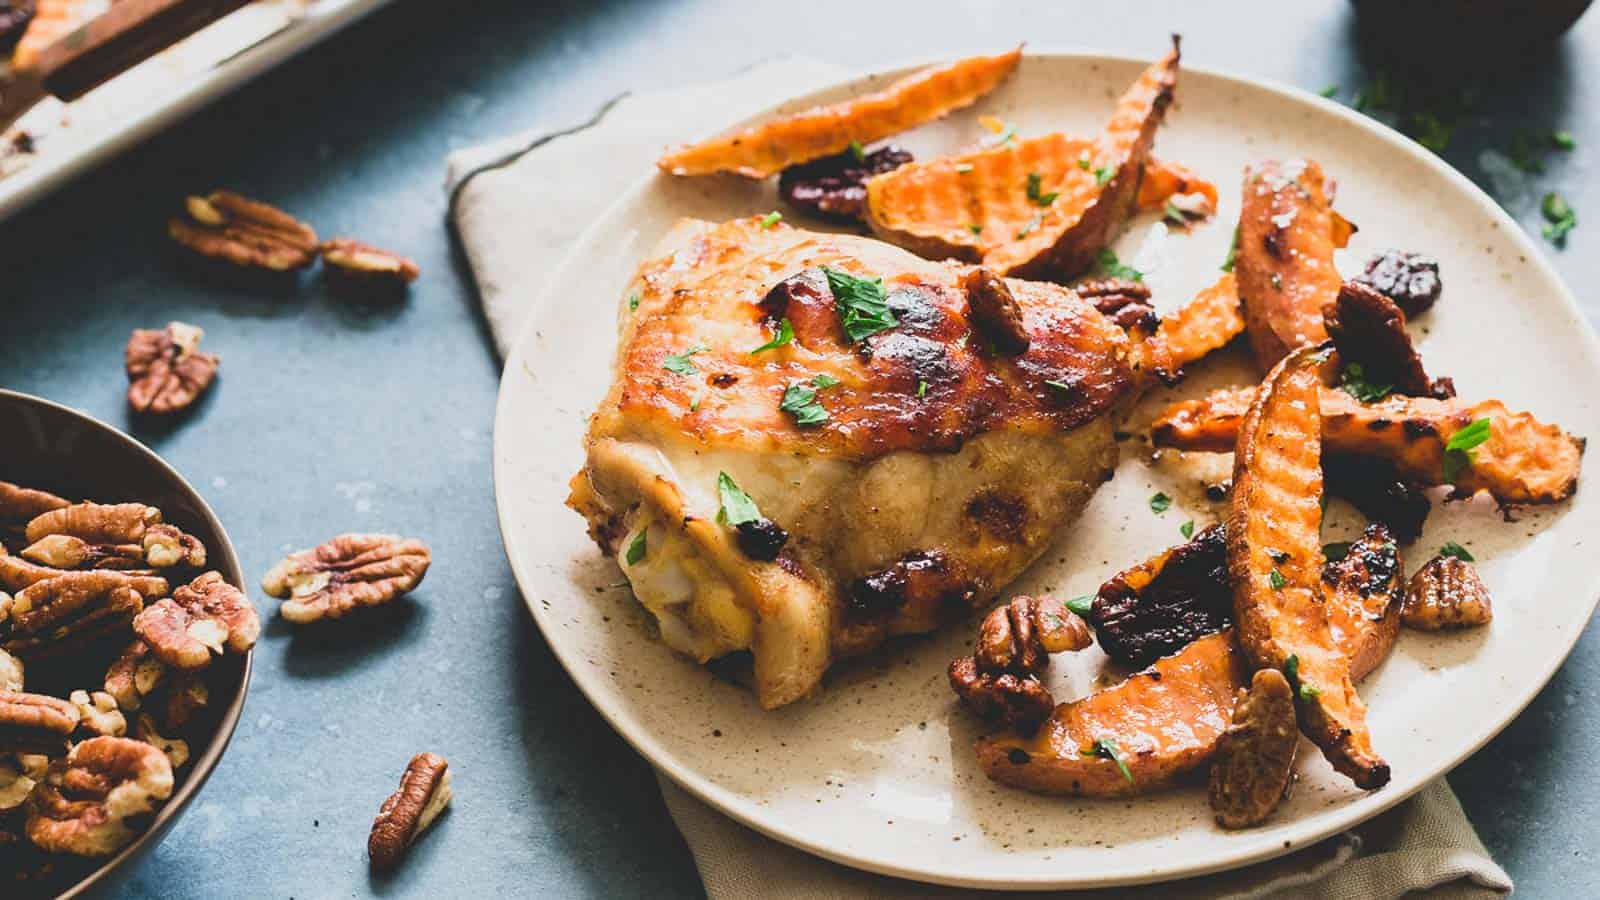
224	559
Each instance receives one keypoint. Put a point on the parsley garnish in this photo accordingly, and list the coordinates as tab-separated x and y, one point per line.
1430	131
922	388
694	405
1034	194
1173	214
1233	251
975	228
1330	91
1105	748
1525	151
1336	551
1451	548
1291	671
1061	386
1563	140
1160	503
1083	161
1115	268
734	506
784	336
1007	134
857	152
679	364
1081	605
771	219
800	401
633	302
1354	382
1276	580
1028	226
963	168
1103	174
1560	216
1459	452
862	303
637	547
1187	529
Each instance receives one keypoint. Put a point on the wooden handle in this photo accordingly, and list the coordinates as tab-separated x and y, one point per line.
128	33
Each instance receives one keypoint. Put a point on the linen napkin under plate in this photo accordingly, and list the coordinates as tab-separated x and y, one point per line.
519	204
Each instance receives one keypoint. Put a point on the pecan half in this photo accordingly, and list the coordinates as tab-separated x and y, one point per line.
995	312
1254	766
17	573
174	750
16	781
110	536
20	505
166	369
349	572
243	232
98	713
1125	301
92	806
187	694
1370	331
62	614
1018	636
1446	593
35	723
134	675
1005	699
424	793
206	617
11	671
367	270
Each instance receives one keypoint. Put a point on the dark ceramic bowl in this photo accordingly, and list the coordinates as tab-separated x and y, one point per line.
45	445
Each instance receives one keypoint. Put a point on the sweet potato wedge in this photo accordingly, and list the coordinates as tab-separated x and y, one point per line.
1364	592
1284	261
987	206
1207	323
770	147
1160	723
1275	563
1523	461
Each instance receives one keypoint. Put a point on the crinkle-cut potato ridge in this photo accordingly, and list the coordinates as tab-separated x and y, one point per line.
770	147
1205	324
941	467
1275	563
933	207
1524	460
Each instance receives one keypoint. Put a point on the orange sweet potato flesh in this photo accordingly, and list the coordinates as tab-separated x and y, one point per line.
1207	323
770	147
1164	179
1275	563
975	207
1525	461
1284	262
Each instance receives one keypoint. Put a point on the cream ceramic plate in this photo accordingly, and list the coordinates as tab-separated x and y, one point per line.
877	772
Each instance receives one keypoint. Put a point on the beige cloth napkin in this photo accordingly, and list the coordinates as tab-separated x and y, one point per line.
520	203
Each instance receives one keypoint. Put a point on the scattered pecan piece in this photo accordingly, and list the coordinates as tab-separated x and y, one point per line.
835	187
206	617
11	671
424	793
1125	301
20	505
134	675
1018	636
166	369
346	573
98	714
1446	593
35	723
1409	279
995	312
110	536
1254	766
91	805
62	614
1005	699
1370	332
364	269
174	750
243	232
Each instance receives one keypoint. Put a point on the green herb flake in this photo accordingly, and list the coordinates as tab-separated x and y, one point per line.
1308	692
1103	174
1451	548
1114	267
1353	380
975	228
862	303
1331	91
1526	152
1233	251
1105	748
734	506
1061	386
922	388
1336	551
1081	605
963	168
633	302
1187	529
800	401
1035	195
679	363
1430	131
1173	214
694	405
1160	503
1083	162
1459	451
771	219
1007	134
824	381
1276	580
1291	668
1028	226
1563	140
857	152
637	547
1560	216
784	335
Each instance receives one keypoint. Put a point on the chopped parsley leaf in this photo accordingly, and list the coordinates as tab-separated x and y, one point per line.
862	303
1451	548
975	228
1430	131
1459	452
857	152
824	381
784	335
1035	195
1563	140
735	506
633	302
1353	380
1331	91
1308	692
1187	529
679	364
1160	503
1233	251
1114	267
1525	152
1560	216
1081	605
1173	214
1105	748
800	401
637	547
1336	551
1083	162
1276	580
694	405
771	219
1061	386
922	388
1028	226
1291	668
1103	174
1007	134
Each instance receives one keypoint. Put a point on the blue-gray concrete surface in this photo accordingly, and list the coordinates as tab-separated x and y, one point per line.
331	417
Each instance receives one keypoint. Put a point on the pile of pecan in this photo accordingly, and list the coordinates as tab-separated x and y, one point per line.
110	624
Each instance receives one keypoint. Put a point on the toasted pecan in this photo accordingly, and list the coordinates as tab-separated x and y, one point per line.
425	791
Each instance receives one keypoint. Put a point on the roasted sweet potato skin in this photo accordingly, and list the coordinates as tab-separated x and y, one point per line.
1284	262
1275	563
771	147
1364	594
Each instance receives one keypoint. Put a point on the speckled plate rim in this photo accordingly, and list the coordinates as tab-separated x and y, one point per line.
1286	839
222	558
